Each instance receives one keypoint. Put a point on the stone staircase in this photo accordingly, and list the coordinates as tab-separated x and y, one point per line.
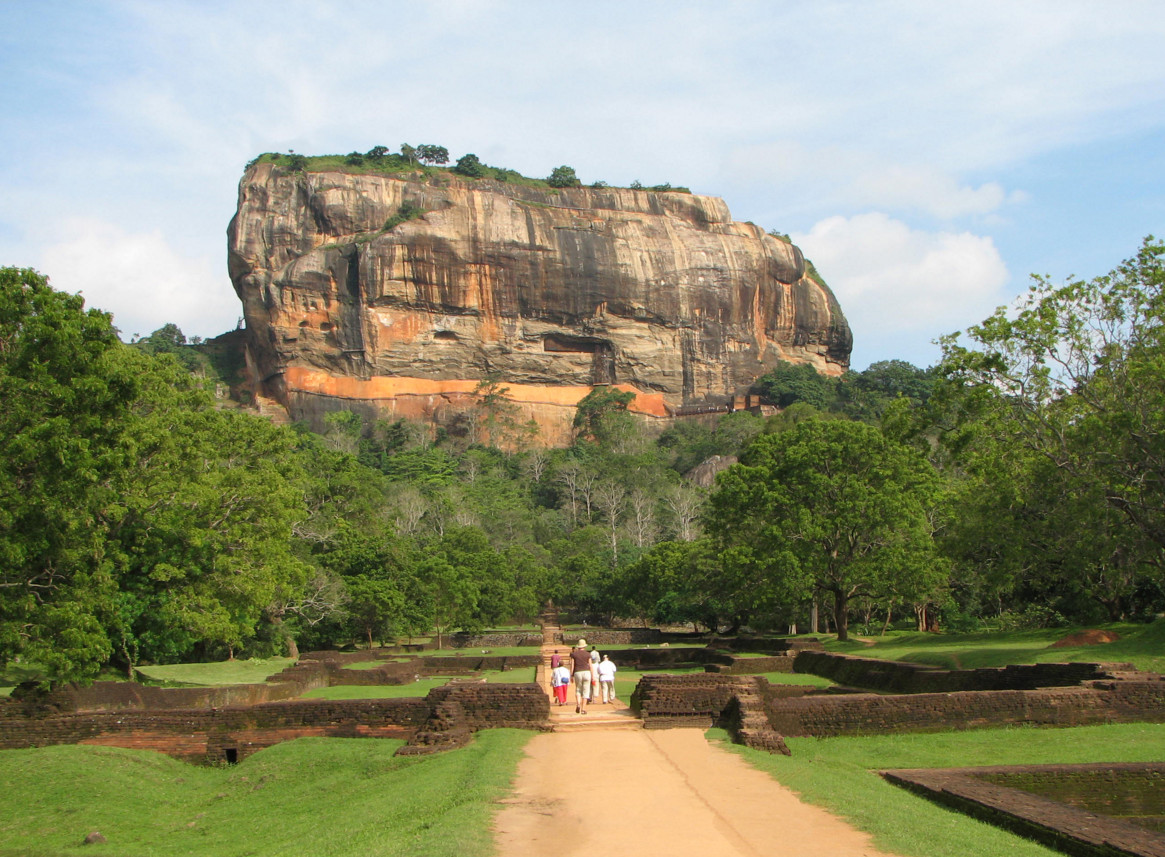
614	715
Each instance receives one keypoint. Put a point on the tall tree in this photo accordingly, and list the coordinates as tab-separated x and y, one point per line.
828	506
1080	369
66	400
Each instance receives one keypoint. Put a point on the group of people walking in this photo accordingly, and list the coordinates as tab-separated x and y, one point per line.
592	674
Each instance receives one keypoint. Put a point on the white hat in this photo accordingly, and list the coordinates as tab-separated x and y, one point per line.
582	644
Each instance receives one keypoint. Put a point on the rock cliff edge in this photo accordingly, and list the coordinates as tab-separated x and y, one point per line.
397	294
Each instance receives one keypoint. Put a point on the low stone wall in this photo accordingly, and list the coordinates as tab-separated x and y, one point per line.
734	702
870	714
899	677
129	696
316	670
765	644
754	666
232	733
611	637
462	664
208	733
1064	827
496	639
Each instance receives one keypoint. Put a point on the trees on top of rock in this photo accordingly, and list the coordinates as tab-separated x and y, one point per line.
469	165
563	176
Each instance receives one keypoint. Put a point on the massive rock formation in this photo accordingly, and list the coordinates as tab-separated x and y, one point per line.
398	294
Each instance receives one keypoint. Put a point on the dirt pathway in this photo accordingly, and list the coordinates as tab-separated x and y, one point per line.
655	792
601	784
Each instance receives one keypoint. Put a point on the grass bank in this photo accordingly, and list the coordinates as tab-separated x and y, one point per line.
317	797
421	687
249	671
838	774
1141	645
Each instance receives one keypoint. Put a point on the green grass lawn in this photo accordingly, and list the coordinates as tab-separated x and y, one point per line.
317	797
381	691
495	652
798	679
416	688
1142	645
371	665
221	673
838	774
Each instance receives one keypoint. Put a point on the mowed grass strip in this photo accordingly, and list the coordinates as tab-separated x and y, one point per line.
317	797
250	671
1140	644
838	774
421	687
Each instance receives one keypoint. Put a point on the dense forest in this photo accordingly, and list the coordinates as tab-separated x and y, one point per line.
1021	482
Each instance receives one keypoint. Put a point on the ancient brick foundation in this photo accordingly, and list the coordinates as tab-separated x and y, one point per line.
870	714
232	733
983	793
899	677
734	702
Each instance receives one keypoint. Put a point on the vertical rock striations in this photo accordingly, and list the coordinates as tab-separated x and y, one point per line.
399	294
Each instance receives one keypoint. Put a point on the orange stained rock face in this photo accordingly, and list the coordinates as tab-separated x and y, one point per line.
304	380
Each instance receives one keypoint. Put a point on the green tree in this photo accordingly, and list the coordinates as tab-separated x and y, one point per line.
431	154
66	402
602	415
563	176
828	506
469	165
789	383
1080	370
202	530
867	394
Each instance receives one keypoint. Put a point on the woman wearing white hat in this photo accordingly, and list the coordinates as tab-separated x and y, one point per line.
580	661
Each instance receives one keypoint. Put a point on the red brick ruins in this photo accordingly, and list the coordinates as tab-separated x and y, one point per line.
227	724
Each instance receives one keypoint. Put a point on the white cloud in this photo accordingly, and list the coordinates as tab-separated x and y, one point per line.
845	177
141	279
895	282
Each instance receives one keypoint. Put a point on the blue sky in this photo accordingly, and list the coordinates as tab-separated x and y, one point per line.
927	156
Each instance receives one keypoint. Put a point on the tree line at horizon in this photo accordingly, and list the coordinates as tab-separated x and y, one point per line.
1018	483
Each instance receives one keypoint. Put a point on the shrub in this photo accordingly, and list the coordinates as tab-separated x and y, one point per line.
470	165
563	176
406	212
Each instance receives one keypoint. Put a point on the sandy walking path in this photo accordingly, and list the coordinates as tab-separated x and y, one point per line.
658	792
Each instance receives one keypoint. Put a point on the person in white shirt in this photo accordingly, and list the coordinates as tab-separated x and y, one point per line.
560	681
607	670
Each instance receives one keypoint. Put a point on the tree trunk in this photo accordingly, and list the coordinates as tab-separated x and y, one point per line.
814	625
840	615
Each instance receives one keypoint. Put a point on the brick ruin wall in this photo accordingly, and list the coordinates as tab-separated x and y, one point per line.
612	637
1055	822
702	700
314	670
900	677
872	714
232	733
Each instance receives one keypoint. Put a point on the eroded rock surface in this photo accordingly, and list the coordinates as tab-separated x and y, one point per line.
551	291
